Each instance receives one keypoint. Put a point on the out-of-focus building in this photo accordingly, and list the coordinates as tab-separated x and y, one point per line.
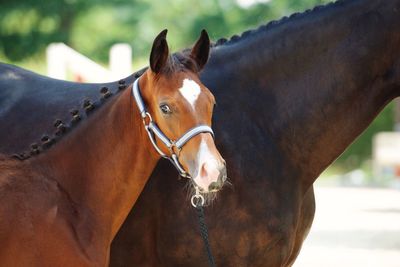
65	63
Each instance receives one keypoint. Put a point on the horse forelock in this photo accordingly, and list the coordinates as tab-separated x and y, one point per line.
179	62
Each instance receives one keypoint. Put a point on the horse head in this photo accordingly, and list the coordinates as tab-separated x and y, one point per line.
180	107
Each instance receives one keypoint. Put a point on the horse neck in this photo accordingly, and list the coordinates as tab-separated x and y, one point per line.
316	81
103	165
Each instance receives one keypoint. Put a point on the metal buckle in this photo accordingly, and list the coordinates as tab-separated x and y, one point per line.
174	149
146	115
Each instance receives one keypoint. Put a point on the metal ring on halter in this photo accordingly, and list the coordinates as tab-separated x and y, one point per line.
147	115
174	149
198	202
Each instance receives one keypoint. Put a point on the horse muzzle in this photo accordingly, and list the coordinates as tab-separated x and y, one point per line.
211	177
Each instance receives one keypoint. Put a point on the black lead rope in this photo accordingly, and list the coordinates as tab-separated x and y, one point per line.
204	234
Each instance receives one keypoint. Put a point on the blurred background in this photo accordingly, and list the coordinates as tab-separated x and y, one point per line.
39	34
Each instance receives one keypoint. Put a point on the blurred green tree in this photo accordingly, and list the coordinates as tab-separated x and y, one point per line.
92	26
26	27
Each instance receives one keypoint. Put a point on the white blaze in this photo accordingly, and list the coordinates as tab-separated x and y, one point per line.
190	90
205	158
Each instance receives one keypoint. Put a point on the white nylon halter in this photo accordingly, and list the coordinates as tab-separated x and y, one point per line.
153	130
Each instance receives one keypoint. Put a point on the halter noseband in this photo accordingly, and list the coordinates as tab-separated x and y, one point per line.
153	131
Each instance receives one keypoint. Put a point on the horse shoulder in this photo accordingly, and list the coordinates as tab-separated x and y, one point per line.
23	192
36	215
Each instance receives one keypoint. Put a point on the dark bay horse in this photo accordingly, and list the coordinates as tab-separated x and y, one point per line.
64	205
292	95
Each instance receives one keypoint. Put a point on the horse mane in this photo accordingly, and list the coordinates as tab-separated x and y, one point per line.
179	61
63	128
274	23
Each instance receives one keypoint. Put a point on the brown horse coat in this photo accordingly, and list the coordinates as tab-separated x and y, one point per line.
292	95
64	206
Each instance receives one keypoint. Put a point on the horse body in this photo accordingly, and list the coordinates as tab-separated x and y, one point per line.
291	98
63	205
57	216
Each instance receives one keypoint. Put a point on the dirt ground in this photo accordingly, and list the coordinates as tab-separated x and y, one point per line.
353	227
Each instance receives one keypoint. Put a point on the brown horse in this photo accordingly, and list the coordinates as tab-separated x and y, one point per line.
292	95
64	206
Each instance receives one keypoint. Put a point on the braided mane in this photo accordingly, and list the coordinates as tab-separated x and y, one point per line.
275	23
62	128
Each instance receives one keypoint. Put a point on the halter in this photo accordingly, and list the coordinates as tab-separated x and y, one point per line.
152	130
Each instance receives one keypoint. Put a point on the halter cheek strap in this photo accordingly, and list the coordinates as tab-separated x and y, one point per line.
153	131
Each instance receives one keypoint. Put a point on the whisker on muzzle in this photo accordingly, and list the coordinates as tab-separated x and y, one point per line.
209	197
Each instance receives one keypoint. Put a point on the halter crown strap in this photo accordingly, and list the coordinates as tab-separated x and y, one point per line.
138	98
153	130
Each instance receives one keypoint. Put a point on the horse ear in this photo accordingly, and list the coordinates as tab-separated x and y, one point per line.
159	52
201	50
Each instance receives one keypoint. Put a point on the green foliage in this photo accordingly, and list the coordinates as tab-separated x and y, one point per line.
92	26
27	27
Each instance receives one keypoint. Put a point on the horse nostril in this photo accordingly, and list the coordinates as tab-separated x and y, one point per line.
214	186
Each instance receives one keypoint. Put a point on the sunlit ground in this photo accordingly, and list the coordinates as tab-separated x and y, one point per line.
353	227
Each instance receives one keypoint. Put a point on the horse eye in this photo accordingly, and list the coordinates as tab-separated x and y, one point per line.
165	109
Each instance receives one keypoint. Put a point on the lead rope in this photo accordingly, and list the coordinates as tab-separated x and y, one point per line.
197	201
